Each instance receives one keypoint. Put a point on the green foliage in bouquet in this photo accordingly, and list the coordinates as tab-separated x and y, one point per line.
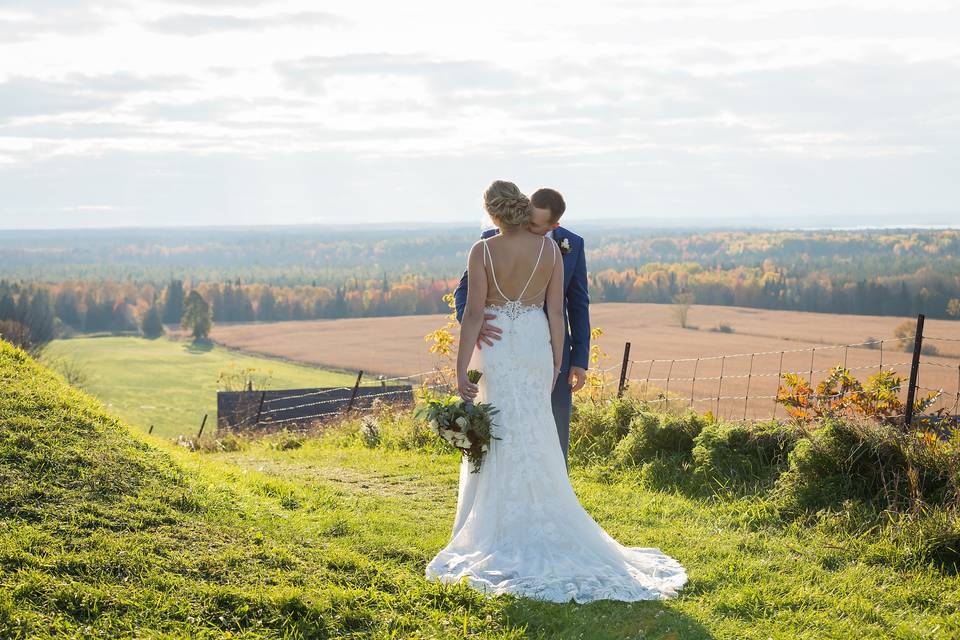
465	425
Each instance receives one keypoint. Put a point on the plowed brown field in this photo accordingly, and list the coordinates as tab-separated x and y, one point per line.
660	349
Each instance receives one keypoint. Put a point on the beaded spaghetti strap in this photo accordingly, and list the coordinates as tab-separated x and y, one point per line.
534	272
486	254
513	308
544	287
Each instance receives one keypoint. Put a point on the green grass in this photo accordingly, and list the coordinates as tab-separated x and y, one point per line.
170	384
108	532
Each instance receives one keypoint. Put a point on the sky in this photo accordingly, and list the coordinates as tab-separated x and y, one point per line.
689	112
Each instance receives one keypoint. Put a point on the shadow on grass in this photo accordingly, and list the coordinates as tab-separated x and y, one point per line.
199	346
606	619
675	473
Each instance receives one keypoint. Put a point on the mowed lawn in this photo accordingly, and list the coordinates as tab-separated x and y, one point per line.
750	575
171	384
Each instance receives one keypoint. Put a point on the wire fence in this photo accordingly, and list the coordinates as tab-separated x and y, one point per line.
737	386
745	386
265	409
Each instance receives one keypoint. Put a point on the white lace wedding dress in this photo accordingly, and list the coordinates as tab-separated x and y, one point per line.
519	526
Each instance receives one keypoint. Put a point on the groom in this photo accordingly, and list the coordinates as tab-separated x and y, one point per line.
548	206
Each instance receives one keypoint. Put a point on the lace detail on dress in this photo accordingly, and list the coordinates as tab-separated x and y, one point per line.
519	527
513	309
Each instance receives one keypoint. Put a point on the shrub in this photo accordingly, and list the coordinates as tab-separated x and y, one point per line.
742	453
597	427
666	471
370	431
285	440
652	434
938	538
872	462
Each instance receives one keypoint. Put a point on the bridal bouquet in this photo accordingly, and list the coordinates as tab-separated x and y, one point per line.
465	425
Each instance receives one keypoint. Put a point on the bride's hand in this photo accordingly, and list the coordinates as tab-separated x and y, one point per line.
467	390
556	376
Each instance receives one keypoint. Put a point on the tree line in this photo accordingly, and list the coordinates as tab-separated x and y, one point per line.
37	312
769	286
306	274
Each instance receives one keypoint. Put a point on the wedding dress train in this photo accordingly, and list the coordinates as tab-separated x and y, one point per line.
519	526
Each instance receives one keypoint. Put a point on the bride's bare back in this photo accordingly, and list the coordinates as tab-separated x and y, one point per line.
518	268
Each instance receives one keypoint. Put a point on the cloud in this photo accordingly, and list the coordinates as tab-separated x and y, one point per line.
690	106
309	74
61	23
198	24
76	92
32	97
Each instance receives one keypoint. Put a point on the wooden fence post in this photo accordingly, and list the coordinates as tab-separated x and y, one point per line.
623	369
666	390
202	424
693	385
353	395
260	408
914	372
777	392
723	360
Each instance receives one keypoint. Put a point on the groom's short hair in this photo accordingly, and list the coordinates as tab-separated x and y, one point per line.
549	199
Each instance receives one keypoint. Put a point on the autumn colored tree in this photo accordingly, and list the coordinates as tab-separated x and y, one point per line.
681	307
953	308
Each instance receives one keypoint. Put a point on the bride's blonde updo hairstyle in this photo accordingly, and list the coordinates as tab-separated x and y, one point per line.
506	205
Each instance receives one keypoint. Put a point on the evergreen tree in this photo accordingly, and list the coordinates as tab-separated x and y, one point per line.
904	308
40	318
22	309
7	307
152	326
227	311
197	316
266	307
173	302
216	300
244	306
67	308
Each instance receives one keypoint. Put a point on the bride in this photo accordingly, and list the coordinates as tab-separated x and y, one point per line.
519	527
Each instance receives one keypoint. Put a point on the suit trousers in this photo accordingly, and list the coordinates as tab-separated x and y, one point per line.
562	401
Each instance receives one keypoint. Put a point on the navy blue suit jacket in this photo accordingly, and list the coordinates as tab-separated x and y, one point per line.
576	300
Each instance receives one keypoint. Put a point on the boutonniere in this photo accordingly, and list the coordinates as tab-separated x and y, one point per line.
564	246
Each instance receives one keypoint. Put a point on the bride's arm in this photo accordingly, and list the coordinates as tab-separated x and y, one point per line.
555	313
472	319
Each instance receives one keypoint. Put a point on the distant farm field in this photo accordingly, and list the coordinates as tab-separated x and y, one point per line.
170	384
660	349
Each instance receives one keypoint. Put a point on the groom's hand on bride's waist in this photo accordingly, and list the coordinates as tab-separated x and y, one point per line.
488	332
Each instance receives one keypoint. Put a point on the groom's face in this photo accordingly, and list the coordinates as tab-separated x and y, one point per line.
540	221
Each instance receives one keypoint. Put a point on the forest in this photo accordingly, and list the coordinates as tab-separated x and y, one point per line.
120	280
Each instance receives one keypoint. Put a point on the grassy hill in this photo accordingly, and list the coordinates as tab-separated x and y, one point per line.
108	532
104	535
169	383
